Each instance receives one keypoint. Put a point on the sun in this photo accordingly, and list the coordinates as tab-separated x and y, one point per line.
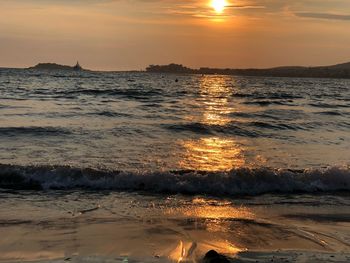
218	5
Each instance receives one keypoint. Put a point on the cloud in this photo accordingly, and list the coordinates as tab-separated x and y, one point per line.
323	16
202	9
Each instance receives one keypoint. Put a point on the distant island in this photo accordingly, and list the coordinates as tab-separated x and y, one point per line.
54	66
334	71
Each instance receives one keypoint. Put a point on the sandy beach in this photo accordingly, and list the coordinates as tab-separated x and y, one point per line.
124	227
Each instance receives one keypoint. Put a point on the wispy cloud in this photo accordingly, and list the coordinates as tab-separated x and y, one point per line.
328	16
198	9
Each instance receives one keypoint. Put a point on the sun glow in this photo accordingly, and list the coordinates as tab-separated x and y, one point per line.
218	5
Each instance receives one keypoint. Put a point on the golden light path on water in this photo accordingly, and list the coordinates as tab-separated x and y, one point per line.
213	153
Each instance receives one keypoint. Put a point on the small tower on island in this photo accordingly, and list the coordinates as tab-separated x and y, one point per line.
77	66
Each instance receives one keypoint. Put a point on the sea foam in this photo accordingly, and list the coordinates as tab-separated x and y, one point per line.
242	181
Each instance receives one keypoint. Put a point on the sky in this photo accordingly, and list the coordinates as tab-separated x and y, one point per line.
131	34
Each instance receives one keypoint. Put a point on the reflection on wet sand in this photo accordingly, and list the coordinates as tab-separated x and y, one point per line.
215	219
210	222
22	255
212	153
187	251
211	209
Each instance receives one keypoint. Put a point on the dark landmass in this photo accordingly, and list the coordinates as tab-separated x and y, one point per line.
54	66
334	71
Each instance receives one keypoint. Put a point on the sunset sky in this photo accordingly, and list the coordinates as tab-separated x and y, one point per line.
131	34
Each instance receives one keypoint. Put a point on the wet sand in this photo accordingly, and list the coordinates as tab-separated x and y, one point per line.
124	227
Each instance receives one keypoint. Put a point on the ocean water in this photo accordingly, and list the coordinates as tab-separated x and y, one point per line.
164	133
137	167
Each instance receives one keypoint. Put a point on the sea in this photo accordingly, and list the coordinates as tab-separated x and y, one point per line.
80	141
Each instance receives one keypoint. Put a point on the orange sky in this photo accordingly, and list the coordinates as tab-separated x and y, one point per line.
131	34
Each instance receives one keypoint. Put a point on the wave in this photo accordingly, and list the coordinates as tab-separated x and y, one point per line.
268	96
263	103
276	126
111	114
271	114
330	113
252	129
207	129
328	105
138	92
242	181
33	131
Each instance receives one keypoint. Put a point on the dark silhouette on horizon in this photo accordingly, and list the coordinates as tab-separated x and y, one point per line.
54	66
77	66
334	71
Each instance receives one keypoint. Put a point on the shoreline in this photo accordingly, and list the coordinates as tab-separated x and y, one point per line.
82	226
244	257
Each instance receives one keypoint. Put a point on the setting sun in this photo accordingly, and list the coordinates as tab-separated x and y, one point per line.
218	5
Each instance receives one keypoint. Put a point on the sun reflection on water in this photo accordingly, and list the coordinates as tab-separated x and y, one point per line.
213	153
214	100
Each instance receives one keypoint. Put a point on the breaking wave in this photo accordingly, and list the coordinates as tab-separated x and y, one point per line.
242	181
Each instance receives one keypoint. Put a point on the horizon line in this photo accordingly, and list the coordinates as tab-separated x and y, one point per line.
195	68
